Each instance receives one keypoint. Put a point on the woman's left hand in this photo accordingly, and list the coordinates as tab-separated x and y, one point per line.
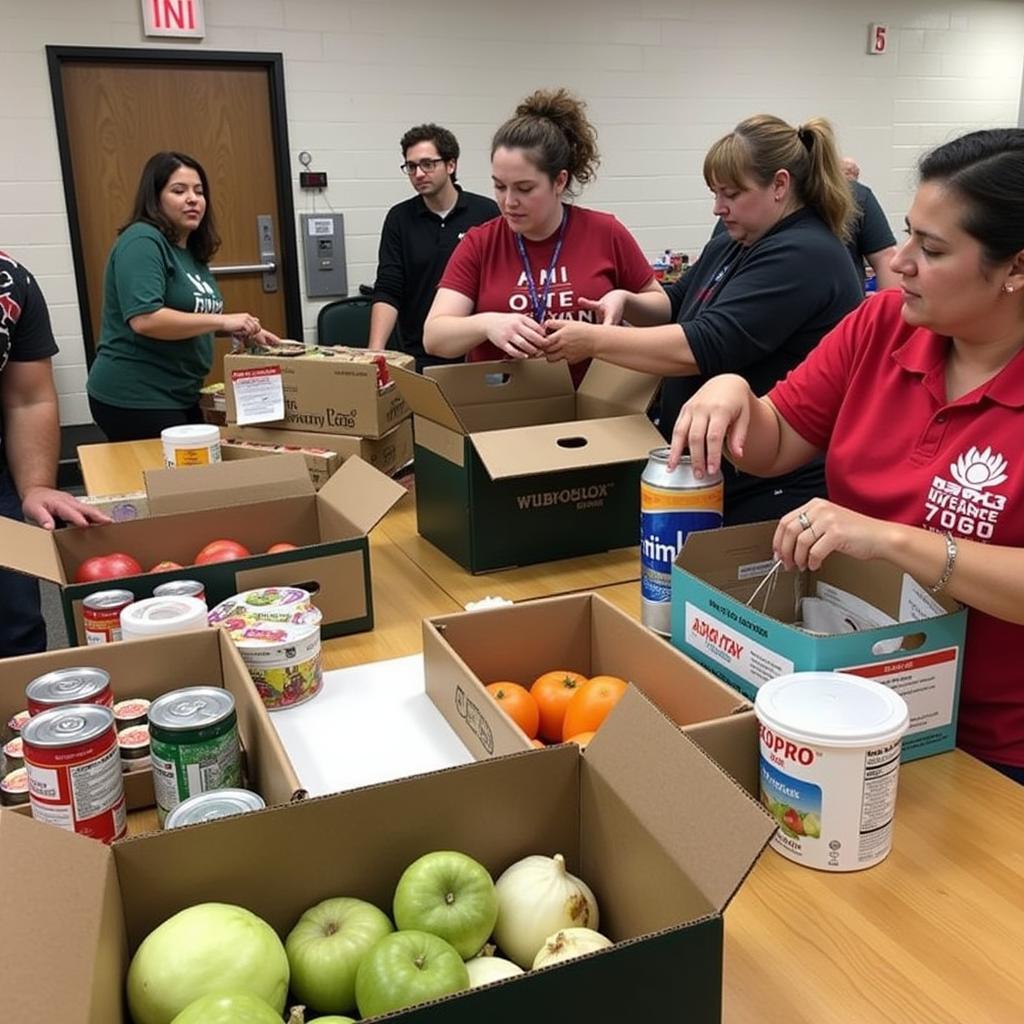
570	340
806	536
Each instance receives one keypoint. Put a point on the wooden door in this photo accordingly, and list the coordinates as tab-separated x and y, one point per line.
118	112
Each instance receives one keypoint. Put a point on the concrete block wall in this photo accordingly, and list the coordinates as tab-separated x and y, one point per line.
663	79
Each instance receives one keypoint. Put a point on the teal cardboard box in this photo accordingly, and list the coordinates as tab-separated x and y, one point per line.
919	654
514	467
257	502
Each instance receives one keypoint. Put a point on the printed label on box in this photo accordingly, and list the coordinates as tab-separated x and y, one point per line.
745	657
259	395
927	682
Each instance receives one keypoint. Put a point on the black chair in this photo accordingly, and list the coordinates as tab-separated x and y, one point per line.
347	322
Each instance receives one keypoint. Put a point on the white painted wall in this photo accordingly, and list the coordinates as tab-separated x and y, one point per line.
664	78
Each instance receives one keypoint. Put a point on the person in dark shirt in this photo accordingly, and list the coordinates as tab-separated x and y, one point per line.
418	237
759	299
30	447
871	240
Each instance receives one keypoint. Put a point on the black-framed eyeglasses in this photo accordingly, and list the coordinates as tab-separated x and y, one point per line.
426	165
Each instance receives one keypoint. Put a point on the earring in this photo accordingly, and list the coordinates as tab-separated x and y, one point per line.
1008	288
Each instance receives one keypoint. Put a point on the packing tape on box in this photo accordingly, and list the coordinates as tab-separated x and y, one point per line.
156	616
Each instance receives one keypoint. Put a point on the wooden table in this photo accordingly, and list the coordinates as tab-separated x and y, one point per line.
932	935
118	468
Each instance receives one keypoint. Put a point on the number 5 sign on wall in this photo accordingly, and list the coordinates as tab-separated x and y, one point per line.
878	38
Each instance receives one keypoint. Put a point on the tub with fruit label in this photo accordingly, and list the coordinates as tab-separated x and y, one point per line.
830	759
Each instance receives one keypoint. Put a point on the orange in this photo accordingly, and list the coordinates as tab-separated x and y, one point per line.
582	738
517	702
591	703
553	691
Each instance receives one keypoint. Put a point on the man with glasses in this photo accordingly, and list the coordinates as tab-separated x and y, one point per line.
419	236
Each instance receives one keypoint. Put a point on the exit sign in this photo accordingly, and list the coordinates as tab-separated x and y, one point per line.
173	18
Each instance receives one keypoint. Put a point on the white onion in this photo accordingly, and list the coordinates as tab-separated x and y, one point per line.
485	969
569	943
537	897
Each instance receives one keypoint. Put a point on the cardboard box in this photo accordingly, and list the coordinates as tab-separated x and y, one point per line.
464	652
715	575
635	828
321	463
120	507
155	666
386	454
513	467
256	502
328	394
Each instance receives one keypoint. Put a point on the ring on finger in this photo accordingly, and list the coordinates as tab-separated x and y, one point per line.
804	521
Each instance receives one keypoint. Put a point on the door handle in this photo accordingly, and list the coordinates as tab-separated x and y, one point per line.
267	265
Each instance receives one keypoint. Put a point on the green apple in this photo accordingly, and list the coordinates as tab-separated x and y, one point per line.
406	968
325	947
228	1008
450	895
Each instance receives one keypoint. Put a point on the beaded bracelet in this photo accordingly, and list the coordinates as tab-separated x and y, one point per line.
951	553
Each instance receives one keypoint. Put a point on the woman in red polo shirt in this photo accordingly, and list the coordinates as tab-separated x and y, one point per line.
917	399
535	261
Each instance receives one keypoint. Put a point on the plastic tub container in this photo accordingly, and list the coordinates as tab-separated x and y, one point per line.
283	659
156	616
191	444
830	760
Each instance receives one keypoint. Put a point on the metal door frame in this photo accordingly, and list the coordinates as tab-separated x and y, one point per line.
273	64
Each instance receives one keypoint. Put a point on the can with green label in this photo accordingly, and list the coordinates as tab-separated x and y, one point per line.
193	745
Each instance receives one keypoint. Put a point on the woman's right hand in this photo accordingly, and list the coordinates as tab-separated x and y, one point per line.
718	414
243	324
516	335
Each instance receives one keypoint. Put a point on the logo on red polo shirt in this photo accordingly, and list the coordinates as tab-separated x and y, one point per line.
966	504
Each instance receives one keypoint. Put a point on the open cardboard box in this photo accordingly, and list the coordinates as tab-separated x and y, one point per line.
634	827
585	633
257	502
386	454
155	666
921	658
514	467
327	394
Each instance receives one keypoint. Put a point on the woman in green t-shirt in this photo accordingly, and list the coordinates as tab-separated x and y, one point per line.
161	307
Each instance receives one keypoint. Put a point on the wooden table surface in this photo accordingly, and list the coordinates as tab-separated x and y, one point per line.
932	935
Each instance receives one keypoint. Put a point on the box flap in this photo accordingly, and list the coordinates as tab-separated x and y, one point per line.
425	397
223	484
362	494
30	549
523	451
608	390
710	827
76	934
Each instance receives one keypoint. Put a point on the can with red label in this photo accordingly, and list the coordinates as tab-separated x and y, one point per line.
181	588
101	615
69	686
74	771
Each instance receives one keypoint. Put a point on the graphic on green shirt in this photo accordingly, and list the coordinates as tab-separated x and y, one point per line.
144	273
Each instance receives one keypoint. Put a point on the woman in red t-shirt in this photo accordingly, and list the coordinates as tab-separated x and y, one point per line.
916	398
542	256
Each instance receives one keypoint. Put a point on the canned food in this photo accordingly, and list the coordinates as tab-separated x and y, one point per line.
134	745
133	711
14	753
194	745
219	804
14	788
69	686
74	771
17	722
101	615
671	506
181	588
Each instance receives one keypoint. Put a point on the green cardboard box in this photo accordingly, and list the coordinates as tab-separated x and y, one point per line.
514	467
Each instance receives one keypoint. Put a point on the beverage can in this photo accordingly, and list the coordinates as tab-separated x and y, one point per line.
672	505
219	804
101	615
181	588
69	686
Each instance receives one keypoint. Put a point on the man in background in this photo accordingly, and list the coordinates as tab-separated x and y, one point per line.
418	237
872	240
29	447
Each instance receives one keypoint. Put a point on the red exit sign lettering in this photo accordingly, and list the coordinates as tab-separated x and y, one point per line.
173	18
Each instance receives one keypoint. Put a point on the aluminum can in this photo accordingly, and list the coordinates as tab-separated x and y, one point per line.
672	505
181	588
69	686
74	771
218	804
134	745
194	745
101	615
131	712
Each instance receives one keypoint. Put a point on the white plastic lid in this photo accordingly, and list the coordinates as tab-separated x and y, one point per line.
158	615
832	708
191	434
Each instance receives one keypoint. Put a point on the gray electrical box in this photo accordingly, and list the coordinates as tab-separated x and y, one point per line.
323	245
